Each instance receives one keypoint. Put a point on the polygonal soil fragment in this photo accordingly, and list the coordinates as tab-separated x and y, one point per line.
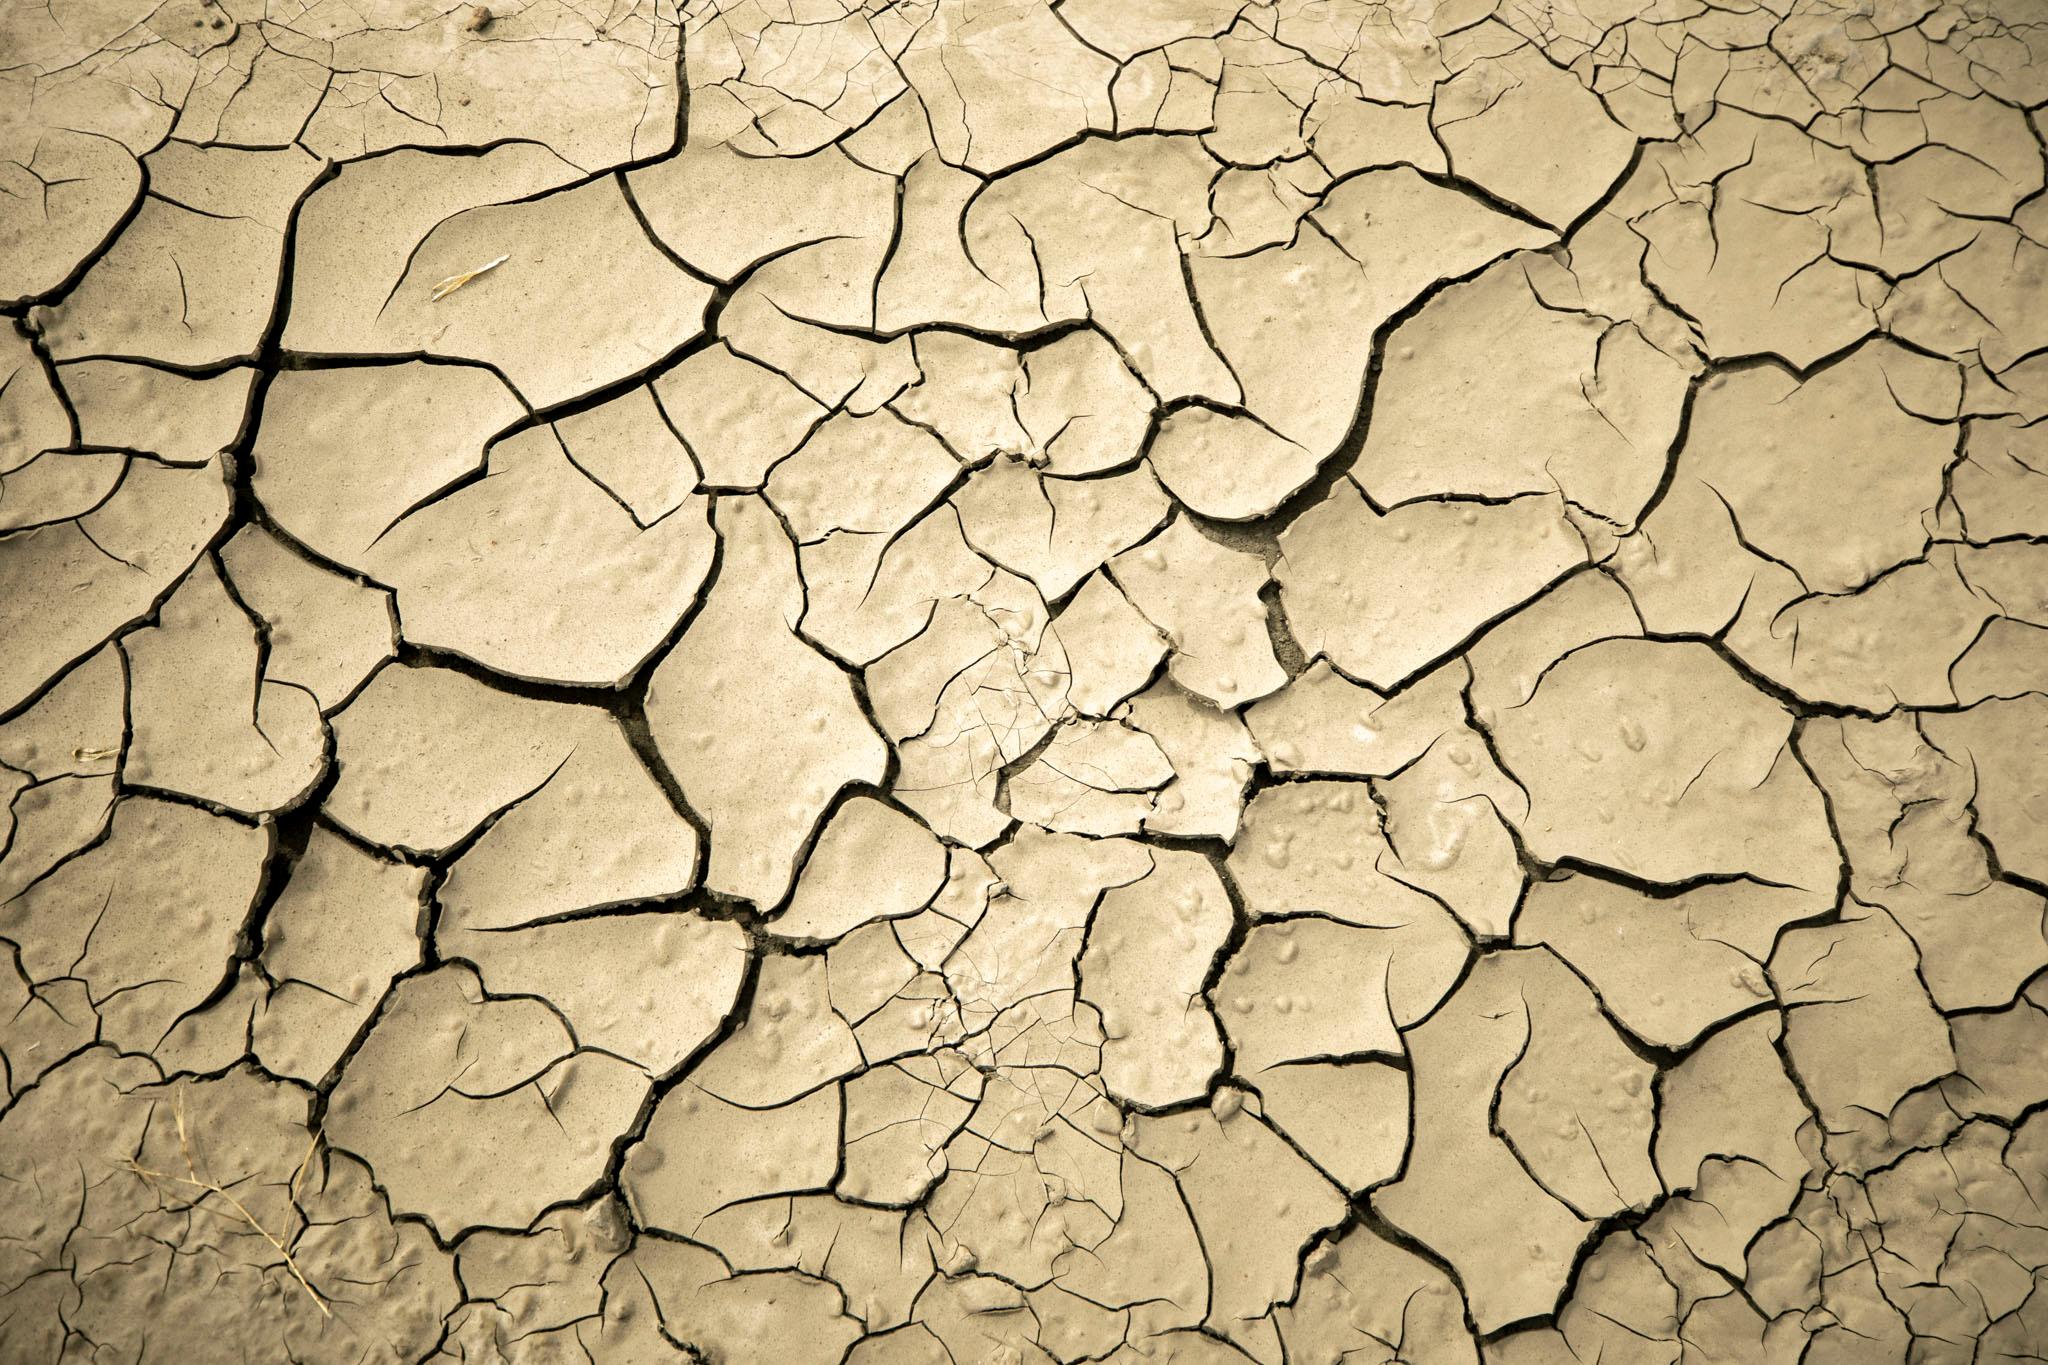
343	454
791	1040
1447	835
571	588
1084	410
1741	1159
1376	242
975	692
599	89
58	760
1668	965
540	1289
1838	982
478	1111
1148	955
789	1147
718	729
871	862
695	1298
1204	597
1658	760
1915	844
1385	596
1211	1158
1490	392
1309	989
1227	467
1111	649
570	294
177	418
1836	477
1092	777
727	212
1314	848
628	449
969	70
258	749
1739	228
109	564
1212	756
1516	99
326	633
737	417
1322	722
1364	1294
1595	1154
147	921
666	983
1513	1250
1037	917
2002	744
1350	1118
190	286
346	924
1895	641
1054	531
95	180
570	817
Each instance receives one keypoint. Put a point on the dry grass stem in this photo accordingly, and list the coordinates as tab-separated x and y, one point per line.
193	1181
455	282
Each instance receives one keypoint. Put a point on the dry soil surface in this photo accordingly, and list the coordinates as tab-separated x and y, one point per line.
968	682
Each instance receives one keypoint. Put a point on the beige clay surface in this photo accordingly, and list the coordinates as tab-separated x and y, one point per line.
1023	682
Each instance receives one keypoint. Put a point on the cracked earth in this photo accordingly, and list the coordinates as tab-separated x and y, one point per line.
967	682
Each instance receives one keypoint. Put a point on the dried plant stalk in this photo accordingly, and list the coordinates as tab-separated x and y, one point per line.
455	282
215	1187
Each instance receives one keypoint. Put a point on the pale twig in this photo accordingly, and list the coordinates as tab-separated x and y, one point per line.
215	1187
291	1191
455	282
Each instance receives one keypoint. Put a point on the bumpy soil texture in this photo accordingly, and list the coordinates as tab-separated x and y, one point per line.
981	682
